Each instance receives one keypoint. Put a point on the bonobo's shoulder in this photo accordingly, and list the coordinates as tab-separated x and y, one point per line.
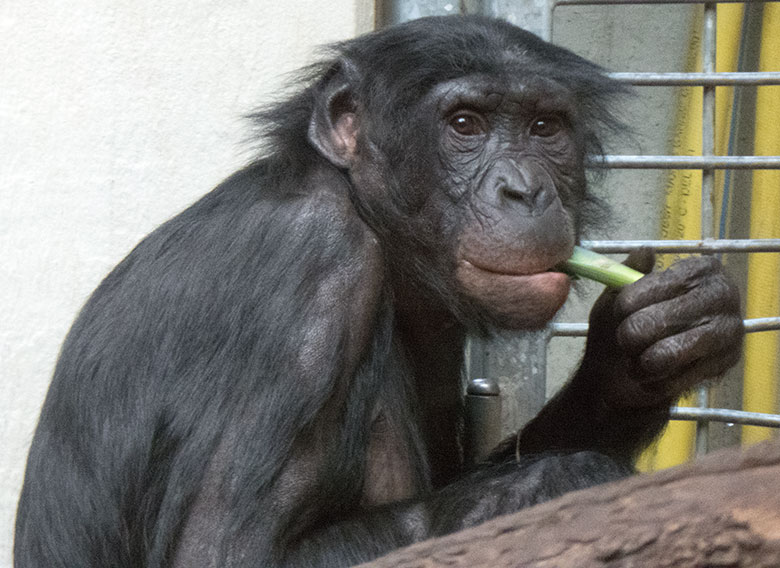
326	202
261	188
328	193
315	203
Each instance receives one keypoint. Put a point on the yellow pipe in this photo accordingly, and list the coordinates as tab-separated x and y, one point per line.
682	213
763	288
729	34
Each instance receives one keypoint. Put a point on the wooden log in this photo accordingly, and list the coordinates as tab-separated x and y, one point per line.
720	511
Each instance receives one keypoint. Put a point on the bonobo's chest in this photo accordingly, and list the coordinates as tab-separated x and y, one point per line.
391	472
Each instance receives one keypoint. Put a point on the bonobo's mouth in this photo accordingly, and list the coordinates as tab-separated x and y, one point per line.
528	269
546	278
521	263
524	298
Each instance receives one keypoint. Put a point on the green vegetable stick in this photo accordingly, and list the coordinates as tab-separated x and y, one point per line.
600	268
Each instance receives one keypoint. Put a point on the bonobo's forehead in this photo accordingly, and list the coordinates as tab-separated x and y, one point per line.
405	62
506	93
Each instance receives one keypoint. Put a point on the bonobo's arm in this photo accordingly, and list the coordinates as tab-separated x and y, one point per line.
648	343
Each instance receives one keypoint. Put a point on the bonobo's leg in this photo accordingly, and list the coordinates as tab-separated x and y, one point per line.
483	494
537	478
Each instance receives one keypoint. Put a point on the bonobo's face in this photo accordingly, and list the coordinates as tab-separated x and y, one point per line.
511	159
465	155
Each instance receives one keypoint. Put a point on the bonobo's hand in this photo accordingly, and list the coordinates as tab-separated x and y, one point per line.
655	339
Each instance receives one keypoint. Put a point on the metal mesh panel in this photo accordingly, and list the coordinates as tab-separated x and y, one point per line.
708	79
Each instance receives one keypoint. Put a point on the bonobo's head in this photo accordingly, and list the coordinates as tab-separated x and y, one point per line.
463	139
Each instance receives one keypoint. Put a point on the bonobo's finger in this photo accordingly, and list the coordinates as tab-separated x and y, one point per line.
710	297
701	371
641	259
656	322
685	379
603	316
664	285
713	346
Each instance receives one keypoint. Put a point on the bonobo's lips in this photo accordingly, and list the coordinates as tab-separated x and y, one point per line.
522	301
527	268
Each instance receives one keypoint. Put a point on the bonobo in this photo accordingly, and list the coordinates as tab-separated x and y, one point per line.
272	378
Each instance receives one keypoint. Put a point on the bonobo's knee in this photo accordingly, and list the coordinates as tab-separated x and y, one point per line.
550	475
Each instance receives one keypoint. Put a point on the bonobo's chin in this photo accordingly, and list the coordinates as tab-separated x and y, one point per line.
515	301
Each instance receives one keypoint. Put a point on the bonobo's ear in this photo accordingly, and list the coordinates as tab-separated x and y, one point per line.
333	126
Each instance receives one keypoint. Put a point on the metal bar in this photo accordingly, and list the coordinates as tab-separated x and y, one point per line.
762	324
685	246
754	325
686	162
707	184
696	79
725	415
557	3
677	246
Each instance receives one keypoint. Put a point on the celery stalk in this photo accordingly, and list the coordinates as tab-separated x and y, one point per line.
600	268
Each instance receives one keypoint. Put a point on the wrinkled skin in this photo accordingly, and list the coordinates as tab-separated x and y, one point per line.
272	378
672	328
521	220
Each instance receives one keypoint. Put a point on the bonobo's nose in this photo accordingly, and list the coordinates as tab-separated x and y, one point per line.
524	187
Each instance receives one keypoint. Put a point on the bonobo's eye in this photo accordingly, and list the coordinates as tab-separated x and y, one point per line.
467	123
546	126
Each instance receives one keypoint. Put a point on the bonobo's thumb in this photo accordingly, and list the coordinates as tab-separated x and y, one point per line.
603	318
642	259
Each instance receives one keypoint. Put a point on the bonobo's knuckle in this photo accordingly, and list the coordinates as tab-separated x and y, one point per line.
632	331
659	359
691	272
709	293
719	293
704	264
731	329
730	296
711	263
733	355
723	290
631	297
641	259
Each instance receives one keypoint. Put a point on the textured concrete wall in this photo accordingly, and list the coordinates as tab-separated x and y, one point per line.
113	117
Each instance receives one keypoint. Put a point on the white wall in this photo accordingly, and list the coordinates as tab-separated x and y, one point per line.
113	117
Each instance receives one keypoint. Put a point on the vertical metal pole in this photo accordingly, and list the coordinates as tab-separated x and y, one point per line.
392	12
517	361
483	419
532	15
707	178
